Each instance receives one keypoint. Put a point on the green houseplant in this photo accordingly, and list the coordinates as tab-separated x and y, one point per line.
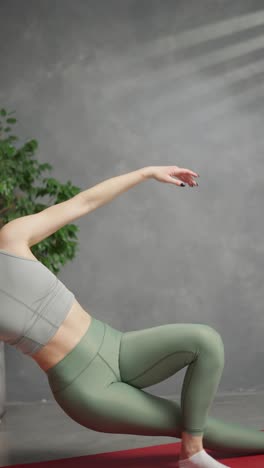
21	184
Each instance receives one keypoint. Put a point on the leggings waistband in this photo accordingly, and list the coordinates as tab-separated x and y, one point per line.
73	363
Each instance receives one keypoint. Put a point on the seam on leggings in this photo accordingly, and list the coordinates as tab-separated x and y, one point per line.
118	359
108	366
63	388
157	362
183	400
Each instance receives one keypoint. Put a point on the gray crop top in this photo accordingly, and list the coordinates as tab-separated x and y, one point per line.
33	302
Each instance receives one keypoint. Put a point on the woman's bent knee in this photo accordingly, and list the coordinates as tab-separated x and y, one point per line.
211	341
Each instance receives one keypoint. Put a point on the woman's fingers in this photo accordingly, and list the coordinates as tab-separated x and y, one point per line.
187	176
194	174
188	179
188	171
170	174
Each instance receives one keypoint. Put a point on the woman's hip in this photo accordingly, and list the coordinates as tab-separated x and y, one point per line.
80	381
96	355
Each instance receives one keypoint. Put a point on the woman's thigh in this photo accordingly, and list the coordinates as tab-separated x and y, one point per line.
151	355
98	401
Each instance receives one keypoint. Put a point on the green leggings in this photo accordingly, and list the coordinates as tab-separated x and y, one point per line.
99	384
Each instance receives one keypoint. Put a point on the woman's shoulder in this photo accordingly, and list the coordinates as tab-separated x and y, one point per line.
15	248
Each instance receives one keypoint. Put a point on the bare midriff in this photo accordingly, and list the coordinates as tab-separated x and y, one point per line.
65	339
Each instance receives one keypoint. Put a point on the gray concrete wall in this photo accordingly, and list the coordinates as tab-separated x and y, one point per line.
108	87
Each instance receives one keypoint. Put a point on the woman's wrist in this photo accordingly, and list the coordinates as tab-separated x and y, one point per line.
147	172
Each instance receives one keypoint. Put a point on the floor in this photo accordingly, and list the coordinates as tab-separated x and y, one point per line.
31	432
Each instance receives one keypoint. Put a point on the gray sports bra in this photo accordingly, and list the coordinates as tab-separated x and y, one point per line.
33	302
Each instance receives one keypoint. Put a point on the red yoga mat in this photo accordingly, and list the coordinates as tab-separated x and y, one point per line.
162	456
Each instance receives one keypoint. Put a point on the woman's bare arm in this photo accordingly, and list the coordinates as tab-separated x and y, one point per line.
107	190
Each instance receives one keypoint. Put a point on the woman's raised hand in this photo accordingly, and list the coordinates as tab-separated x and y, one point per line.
168	174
